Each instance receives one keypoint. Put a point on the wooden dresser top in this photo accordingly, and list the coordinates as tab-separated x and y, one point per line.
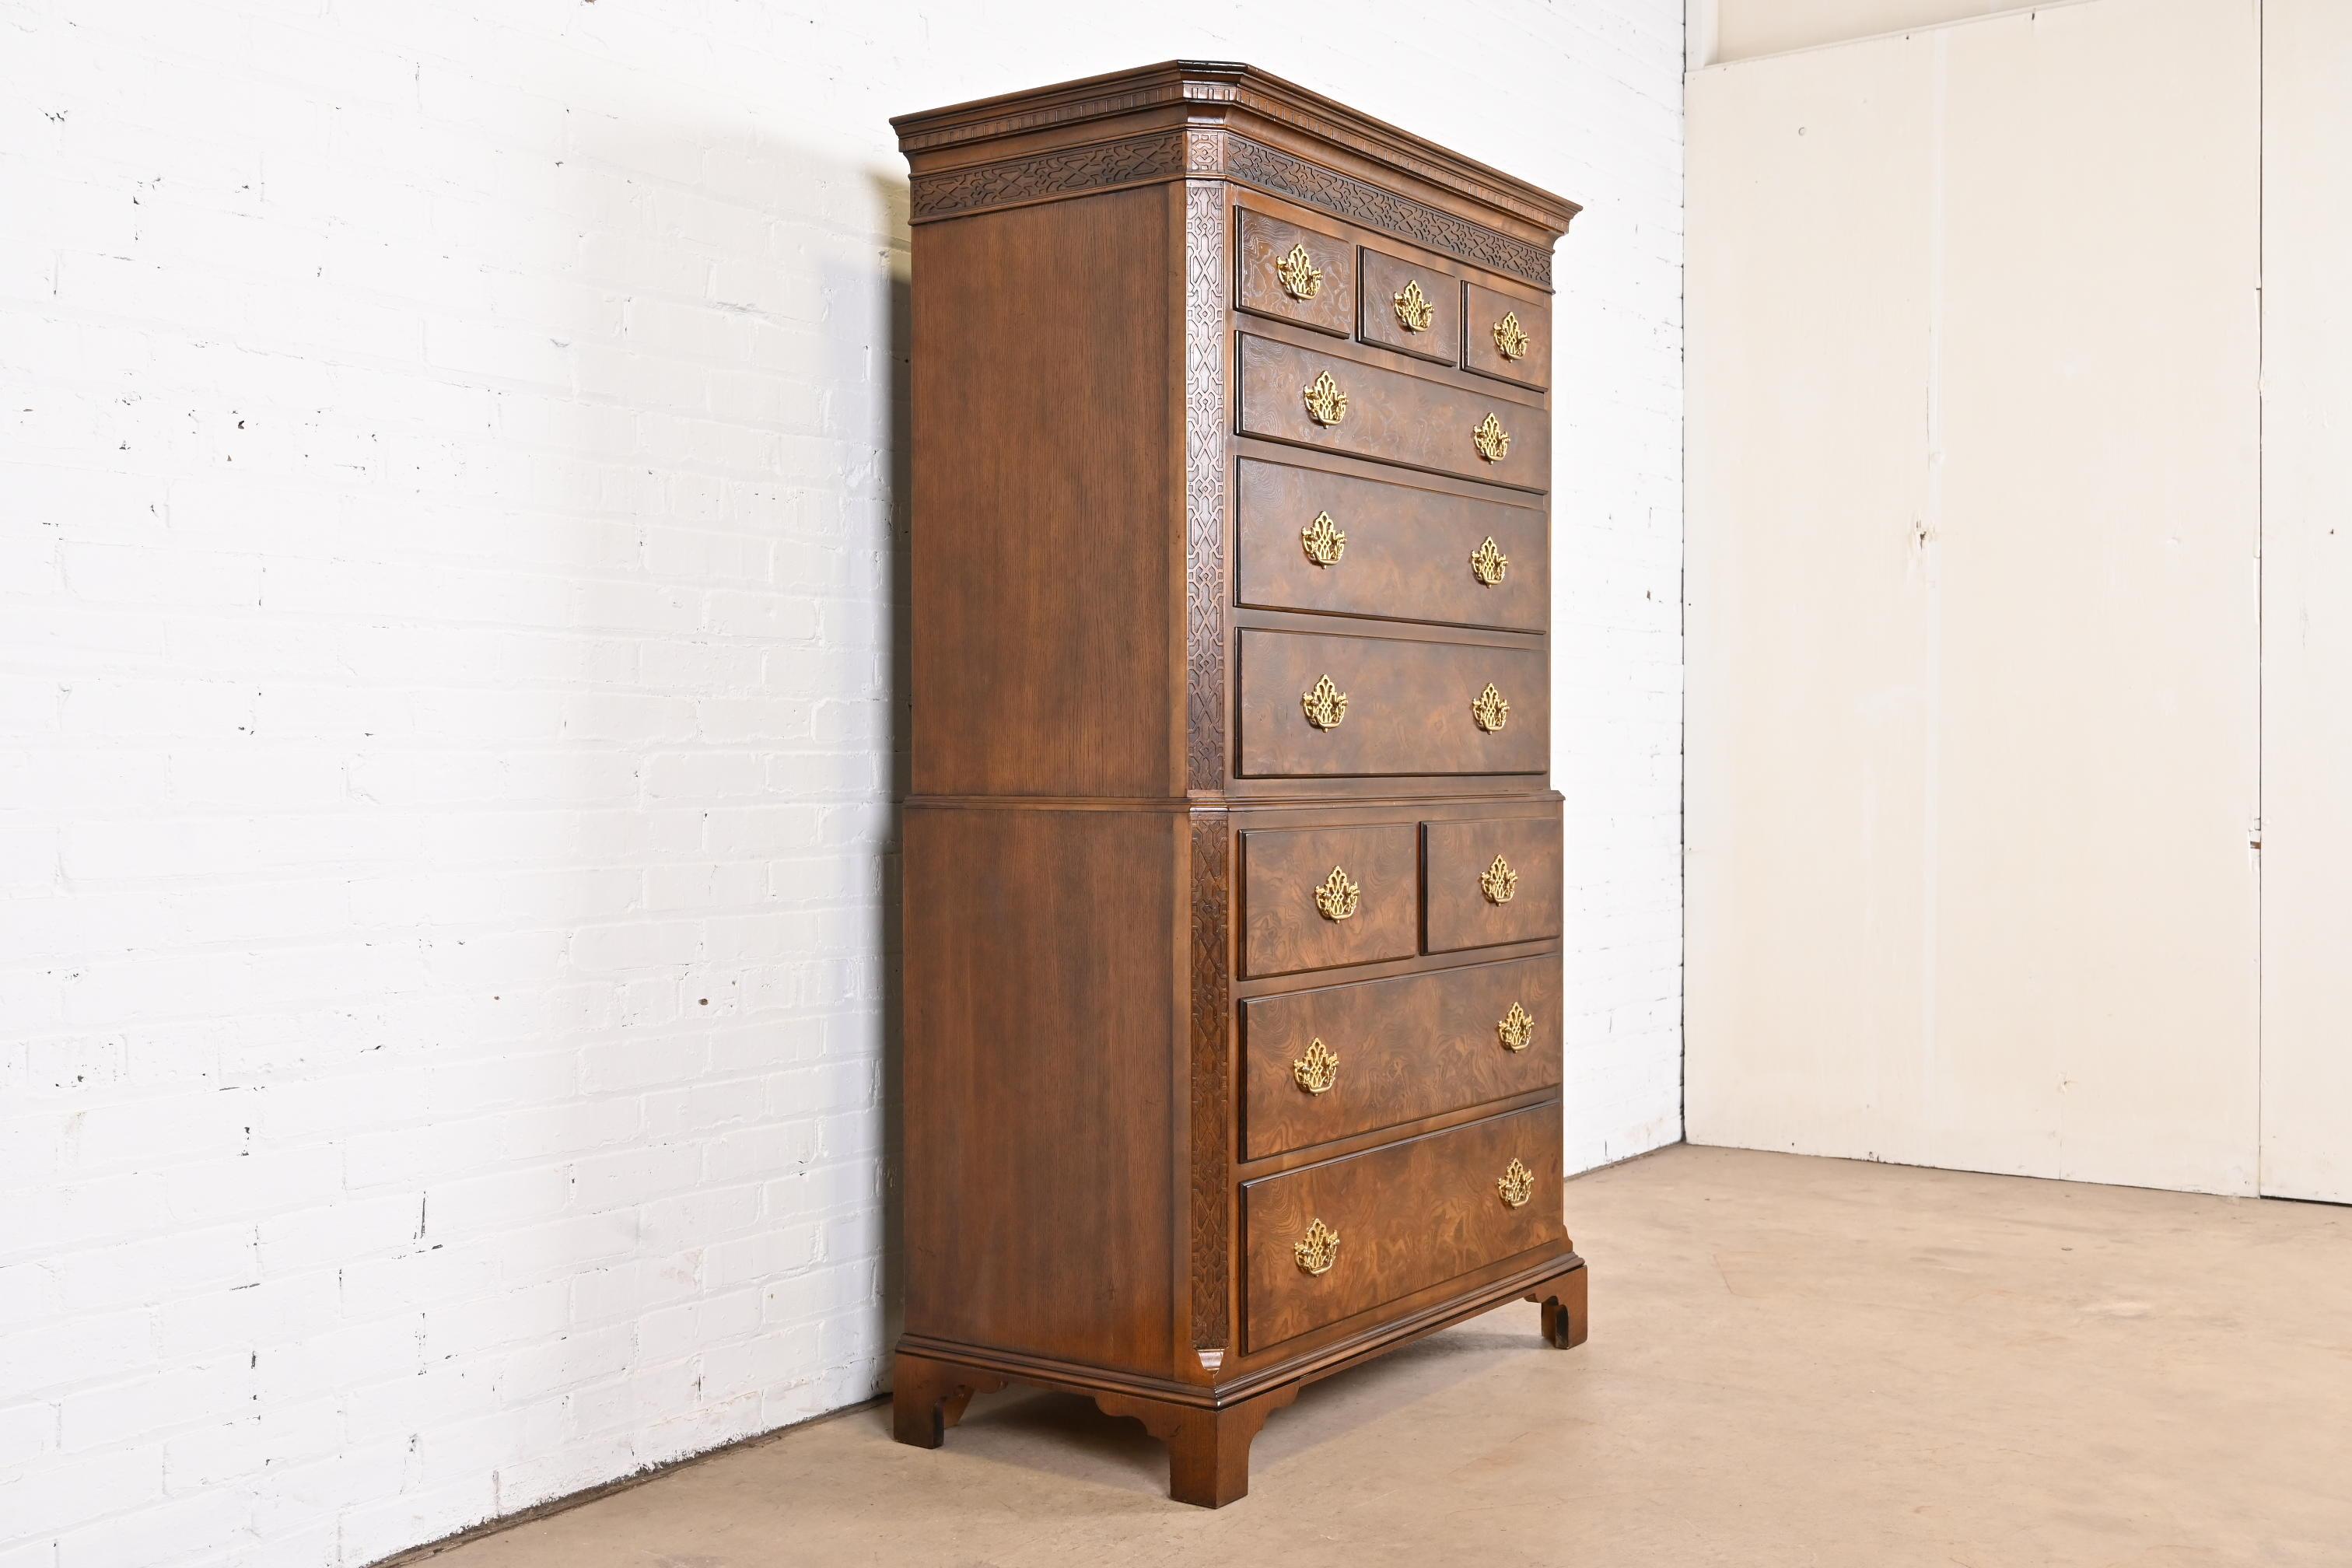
1205	119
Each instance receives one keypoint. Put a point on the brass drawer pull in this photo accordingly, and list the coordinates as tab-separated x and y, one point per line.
1517	1030
1517	1184
1499	882
1490	712
1319	1069
1324	704
1338	897
1510	340
1319	1248
1494	442
1488	563
1327	404
1302	280
1324	542
1412	307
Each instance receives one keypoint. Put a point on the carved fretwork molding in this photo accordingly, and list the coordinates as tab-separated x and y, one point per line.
1212	1039
1069	172
1206	279
1230	94
1311	184
1172	154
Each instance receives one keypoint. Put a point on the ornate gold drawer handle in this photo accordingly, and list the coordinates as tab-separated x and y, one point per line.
1517	1184
1327	404
1301	278
1517	1030
1319	1248
1499	882
1323	541
1319	1069
1510	341
1412	308
1491	712
1324	704
1336	897
1494	442
1488	563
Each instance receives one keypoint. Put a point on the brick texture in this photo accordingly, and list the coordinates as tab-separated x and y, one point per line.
450	465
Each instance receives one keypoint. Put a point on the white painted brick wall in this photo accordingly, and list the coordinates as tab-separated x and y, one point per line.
446	504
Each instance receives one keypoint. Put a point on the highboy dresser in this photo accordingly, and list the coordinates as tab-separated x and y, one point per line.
1232	879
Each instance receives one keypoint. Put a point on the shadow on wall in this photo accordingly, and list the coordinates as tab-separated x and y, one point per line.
898	358
693	490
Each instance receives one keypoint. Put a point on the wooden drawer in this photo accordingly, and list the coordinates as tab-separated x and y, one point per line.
1389	416
1391	550
1469	901
1407	1216
1408	308
1486	333
1268	275
1295	915
1343	1060
1408	707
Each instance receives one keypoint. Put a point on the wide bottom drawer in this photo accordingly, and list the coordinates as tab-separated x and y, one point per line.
1339	1238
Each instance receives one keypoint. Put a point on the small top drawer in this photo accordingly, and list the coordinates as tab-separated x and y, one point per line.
1316	399
1297	274
1409	309
1314	898
1491	880
1507	336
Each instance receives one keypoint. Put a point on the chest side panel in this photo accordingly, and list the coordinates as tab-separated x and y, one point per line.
1044	464
1040	1099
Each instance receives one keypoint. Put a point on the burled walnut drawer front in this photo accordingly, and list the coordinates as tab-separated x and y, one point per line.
1318	898
1296	273
1489	880
1507	336
1343	1060
1343	1238
1315	706
1313	541
1329	400
1409	309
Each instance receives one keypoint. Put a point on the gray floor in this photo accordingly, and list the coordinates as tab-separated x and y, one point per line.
1793	1361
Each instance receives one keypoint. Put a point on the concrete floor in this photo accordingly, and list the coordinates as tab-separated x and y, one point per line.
1793	1361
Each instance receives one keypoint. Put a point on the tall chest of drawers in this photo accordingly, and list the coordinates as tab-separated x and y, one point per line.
1232	892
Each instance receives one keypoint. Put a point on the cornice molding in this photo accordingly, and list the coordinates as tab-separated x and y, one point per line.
1342	196
1064	171
1168	156
1207	92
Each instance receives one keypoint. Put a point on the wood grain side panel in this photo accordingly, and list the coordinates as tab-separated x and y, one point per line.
1040	1076
1414	1047
1044	462
1408	707
1483	313
1382	312
1284	930
1409	1214
1390	416
1456	855
1406	554
1264	242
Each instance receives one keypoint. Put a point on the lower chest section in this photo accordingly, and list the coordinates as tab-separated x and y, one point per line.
1382	1125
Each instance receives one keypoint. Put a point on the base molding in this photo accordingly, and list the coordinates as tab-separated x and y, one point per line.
1208	1430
